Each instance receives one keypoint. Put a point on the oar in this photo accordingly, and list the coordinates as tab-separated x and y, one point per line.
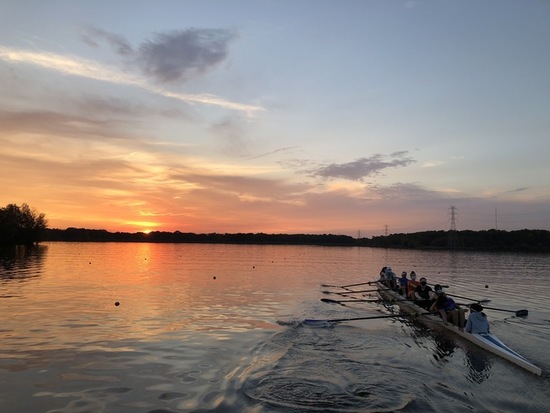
471	299
519	313
353	291
313	322
368	291
328	300
349	285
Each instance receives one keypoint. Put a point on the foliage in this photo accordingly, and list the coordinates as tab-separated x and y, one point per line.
88	235
525	240
21	225
492	240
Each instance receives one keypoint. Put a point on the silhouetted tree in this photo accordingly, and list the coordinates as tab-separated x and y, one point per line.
21	225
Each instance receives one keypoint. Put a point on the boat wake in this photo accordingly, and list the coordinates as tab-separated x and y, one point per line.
323	370
309	389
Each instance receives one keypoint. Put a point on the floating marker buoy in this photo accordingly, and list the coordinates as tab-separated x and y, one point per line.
117	303
214	277
486	286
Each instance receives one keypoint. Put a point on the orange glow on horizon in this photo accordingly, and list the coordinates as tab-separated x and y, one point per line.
142	226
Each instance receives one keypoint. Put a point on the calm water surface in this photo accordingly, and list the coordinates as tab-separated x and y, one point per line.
217	328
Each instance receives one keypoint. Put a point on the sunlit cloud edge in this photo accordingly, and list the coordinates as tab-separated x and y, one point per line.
77	66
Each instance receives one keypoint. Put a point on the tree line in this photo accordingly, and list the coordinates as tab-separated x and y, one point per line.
91	235
23	225
491	240
525	240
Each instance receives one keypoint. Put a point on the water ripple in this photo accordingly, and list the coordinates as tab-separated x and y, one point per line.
305	388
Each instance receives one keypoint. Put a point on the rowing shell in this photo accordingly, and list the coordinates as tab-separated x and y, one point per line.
487	341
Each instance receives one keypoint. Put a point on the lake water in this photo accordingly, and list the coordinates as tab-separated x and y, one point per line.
217	328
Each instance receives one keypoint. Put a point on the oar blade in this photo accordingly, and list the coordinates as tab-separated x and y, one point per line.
522	313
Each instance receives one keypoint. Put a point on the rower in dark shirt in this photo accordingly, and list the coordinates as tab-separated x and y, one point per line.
423	294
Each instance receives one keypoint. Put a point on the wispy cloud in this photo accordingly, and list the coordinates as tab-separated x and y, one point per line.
362	167
405	191
288	148
518	190
76	66
118	42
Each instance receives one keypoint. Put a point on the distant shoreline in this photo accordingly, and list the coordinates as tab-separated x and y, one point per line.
491	240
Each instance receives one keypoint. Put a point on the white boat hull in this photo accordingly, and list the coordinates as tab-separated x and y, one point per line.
488	341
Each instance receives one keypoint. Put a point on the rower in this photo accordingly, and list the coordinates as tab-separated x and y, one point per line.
477	320
423	294
447	308
390	278
403	282
411	286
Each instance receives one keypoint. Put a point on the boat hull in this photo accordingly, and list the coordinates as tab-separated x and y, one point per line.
487	341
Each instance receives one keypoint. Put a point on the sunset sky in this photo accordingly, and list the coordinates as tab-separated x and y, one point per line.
277	116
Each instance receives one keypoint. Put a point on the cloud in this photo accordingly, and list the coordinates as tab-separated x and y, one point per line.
76	66
518	190
118	42
405	191
285	149
362	167
181	55
232	135
177	55
86	117
44	122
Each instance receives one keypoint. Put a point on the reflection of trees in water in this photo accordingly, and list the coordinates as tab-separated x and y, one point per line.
21	262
